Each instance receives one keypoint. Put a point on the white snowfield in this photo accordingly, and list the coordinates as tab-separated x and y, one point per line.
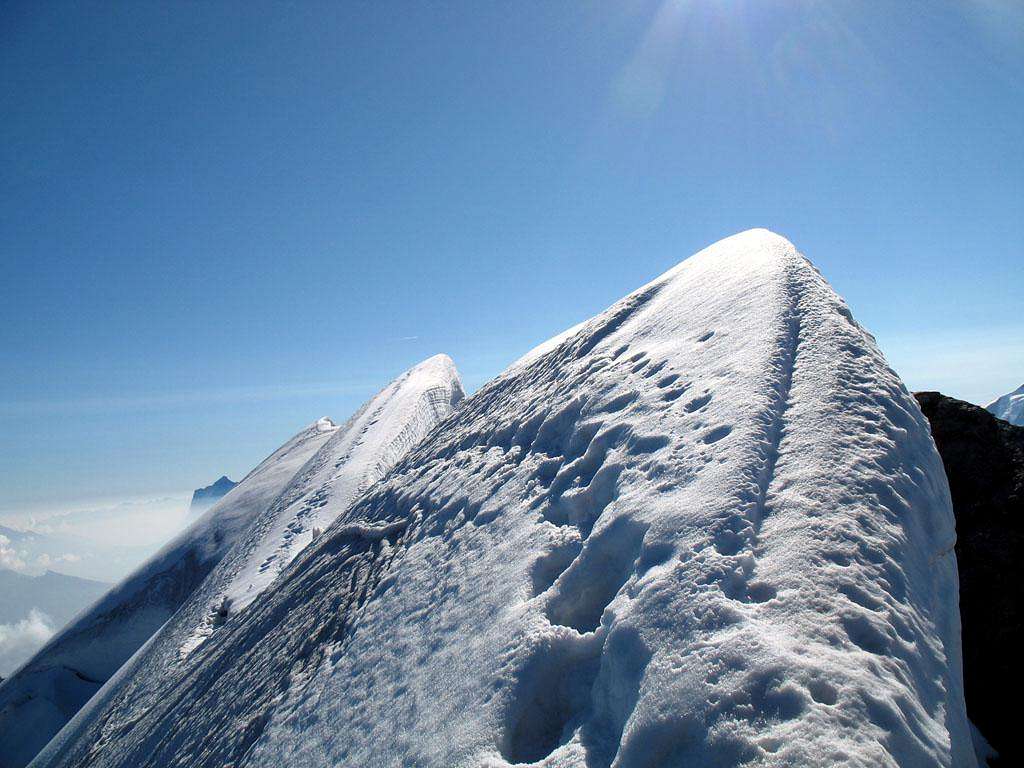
1009	407
42	696
709	528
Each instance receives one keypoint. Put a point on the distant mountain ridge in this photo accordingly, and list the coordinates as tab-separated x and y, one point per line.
1009	407
204	498
55	594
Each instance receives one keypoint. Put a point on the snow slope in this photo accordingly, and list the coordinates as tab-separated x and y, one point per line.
43	695
356	456
1009	407
708	528
315	478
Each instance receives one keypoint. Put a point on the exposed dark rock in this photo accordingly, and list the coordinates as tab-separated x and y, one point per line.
984	460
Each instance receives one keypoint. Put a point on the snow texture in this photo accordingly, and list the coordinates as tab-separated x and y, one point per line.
47	691
356	456
708	528
1009	407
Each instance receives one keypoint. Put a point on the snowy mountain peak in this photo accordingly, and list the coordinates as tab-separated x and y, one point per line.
436	373
226	558
751	239
1009	407
708	527
356	455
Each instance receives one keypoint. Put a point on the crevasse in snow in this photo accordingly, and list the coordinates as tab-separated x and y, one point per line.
707	528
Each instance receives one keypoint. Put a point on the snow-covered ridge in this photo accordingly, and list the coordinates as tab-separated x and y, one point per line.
245	540
707	528
1009	407
353	457
46	692
356	456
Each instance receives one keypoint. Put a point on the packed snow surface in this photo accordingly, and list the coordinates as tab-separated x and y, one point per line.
709	528
1009	407
44	694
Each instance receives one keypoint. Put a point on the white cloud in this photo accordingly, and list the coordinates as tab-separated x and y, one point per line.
45	561
97	539
128	522
19	640
9	556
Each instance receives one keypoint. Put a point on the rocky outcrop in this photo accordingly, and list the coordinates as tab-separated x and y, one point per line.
984	461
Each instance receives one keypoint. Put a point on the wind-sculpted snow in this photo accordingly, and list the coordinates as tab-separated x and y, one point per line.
47	691
709	528
357	455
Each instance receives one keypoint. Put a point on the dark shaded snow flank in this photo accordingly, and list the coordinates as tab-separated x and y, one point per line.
984	461
44	694
709	528
1009	407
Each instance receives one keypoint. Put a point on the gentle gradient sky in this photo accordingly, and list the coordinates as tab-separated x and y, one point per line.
220	221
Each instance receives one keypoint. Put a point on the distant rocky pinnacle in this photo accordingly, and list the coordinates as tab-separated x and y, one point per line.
204	498
984	460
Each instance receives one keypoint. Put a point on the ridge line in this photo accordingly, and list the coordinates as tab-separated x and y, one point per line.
781	400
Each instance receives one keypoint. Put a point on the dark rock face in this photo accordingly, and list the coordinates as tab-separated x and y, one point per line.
204	498
984	461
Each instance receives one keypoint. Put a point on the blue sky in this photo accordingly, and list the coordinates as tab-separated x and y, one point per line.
219	222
